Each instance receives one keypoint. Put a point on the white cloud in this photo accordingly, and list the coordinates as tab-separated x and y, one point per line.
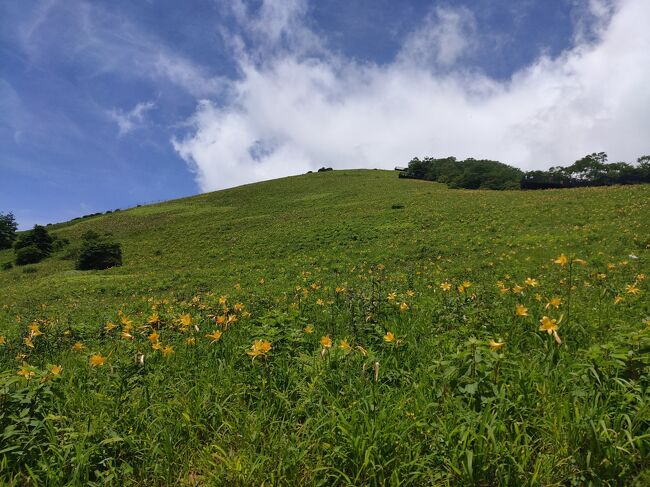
290	112
445	36
131	120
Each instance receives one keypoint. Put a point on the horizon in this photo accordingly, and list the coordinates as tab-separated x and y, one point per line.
113	105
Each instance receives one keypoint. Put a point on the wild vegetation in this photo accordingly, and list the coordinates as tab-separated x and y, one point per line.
337	328
591	170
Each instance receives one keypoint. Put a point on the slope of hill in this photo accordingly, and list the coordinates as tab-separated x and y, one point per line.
384	303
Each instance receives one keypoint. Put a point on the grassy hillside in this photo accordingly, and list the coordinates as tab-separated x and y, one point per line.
408	280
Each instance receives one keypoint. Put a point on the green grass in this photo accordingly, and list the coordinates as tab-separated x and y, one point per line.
435	406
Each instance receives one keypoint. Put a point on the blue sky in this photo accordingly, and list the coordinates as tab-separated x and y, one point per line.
111	104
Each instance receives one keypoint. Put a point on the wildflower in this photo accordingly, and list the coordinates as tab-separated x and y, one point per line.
238	307
561	260
28	341
223	300
315	286
632	289
410	293
445	286
389	337
504	290
232	319
55	369
126	334
496	345
110	326
392	296
466	284
97	359
78	347
339	289
153	338
548	325
555	302
308	329
326	341
26	371
238	287
190	341
403	307
521	310
531	282
259	348
167	351
126	321
34	330
154	319
343	344
220	320
611	266
3	340
156	346
320	302
639	277
618	299
517	289
185	320
215	336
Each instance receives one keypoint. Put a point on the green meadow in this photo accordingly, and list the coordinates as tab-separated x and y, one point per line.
337	328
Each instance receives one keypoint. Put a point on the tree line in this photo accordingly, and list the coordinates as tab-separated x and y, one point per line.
591	170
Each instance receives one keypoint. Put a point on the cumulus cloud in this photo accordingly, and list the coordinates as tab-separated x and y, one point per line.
131	120
299	107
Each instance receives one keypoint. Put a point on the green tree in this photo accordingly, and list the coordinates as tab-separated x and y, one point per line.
33	246
7	230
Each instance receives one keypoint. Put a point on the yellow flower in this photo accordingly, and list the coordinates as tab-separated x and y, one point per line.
26	371
504	290
55	369
445	286
326	342
320	302
238	307
28	341
403	307
185	319
392	296
126	334
190	341
339	289
153	338
127	322
308	329
259	348
110	326
521	310
632	289
561	260
167	351
156	346
154	319
78	347
555	302
223	300
215	336
389	337
410	293
466	284
639	277
3	340
531	282
97	359
220	320
34	330
315	286
496	345
618	299
548	325
343	344
517	289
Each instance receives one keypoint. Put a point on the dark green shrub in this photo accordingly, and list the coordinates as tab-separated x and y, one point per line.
7	266
29	255
97	253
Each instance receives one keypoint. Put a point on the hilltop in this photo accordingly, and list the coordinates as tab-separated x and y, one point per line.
344	327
